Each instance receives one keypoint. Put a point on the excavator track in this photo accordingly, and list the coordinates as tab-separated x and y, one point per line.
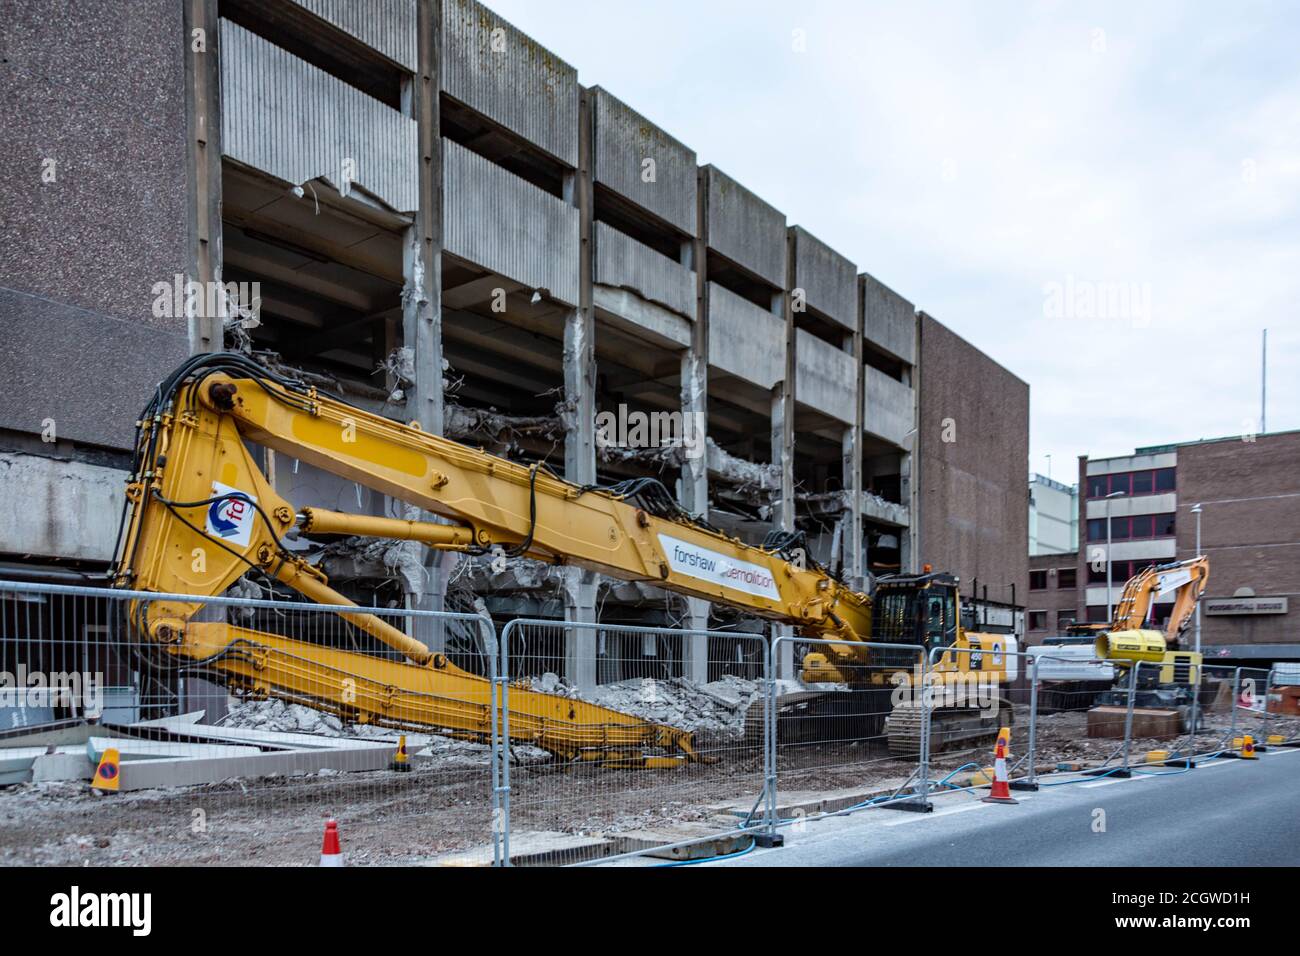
822	717
951	728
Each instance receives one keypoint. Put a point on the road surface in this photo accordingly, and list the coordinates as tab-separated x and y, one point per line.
1222	813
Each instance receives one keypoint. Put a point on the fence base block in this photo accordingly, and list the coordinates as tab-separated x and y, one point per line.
915	805
1119	773
1023	785
768	841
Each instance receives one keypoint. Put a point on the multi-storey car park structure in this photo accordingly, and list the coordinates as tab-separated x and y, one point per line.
416	205
1244	494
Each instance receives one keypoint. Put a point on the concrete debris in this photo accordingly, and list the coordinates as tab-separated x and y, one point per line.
277	716
719	706
494	427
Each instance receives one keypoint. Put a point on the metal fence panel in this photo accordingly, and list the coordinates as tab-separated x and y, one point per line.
661	752
217	769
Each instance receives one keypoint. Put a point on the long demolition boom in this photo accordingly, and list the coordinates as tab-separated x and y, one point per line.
200	513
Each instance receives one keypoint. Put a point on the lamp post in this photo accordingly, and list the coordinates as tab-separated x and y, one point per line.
1109	609
1196	510
1196	696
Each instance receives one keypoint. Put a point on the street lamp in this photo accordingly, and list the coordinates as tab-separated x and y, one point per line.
1109	610
1196	510
1196	697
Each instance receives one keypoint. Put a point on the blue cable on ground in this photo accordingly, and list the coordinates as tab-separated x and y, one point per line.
708	859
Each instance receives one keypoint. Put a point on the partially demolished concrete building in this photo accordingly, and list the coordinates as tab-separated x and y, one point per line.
415	203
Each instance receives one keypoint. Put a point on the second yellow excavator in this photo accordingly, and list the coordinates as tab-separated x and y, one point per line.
200	514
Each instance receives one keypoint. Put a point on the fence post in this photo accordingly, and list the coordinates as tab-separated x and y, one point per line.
923	785
1268	689
503	678
1128	718
1033	723
494	752
769	740
1236	696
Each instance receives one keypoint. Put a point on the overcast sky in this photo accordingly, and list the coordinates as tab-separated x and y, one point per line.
1103	197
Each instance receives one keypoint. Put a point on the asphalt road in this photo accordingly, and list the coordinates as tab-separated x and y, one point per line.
1222	813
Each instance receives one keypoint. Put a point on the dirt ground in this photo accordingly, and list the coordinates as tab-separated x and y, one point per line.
393	818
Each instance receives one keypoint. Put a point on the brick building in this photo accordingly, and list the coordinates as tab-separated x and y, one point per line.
1138	510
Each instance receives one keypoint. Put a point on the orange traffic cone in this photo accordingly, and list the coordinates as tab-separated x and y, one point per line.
330	854
1001	792
1248	748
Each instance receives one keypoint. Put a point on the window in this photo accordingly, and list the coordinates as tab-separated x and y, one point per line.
1096	575
1065	619
1142	525
1132	483
1119	529
1097	614
1164	526
1066	578
1038	620
1037	580
1096	529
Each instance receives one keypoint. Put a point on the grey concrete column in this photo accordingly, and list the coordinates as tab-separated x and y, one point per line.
855	565
695	651
203	138
580	393
422	292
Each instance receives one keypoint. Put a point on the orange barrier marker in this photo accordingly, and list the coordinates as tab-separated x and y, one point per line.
1001	792
108	775
401	761
1248	748
330	854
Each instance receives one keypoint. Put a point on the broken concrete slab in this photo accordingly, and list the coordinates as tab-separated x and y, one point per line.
129	749
62	766
706	842
535	847
268	738
191	771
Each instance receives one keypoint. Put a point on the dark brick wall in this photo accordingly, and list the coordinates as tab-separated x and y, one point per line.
1254	544
98	87
973	493
1054	598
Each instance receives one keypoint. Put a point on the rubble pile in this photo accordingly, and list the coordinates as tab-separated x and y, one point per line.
719	706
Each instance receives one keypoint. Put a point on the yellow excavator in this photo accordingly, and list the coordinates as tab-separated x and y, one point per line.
1128	641
199	514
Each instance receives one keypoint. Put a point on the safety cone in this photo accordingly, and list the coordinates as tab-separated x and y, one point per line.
330	854
1248	748
108	775
1001	792
401	761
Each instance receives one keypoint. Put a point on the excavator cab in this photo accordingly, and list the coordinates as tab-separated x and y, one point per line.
916	609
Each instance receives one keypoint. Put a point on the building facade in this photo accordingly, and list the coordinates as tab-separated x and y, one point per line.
1145	508
1053	516
418	206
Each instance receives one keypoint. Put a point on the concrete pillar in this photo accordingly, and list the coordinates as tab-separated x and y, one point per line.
695	650
855	566
580	392
694	491
203	136
422	294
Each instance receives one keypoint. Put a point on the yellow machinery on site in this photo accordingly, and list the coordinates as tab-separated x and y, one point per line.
1127	641
200	514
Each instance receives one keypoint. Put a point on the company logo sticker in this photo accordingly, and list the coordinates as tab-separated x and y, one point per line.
705	565
231	518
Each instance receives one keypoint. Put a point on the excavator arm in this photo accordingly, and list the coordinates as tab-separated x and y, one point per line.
1127	638
200	514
